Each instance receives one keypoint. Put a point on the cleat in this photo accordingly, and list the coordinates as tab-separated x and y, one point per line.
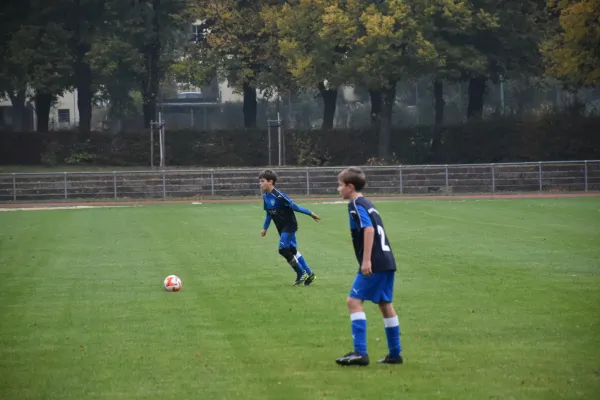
391	360
301	279
310	279
354	358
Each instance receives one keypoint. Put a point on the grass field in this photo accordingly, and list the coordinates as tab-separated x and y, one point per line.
498	299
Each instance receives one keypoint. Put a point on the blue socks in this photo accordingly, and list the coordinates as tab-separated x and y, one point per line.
302	263
359	332
392	332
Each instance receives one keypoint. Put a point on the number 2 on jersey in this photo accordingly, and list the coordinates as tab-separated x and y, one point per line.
381	232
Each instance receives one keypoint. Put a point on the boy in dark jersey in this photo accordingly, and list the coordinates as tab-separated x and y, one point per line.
280	208
375	278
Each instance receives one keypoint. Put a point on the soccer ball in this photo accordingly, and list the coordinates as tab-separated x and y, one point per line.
172	283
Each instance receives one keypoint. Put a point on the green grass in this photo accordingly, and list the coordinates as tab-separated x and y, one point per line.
498	299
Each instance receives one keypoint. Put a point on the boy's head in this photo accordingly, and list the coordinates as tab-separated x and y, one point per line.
267	180
350	181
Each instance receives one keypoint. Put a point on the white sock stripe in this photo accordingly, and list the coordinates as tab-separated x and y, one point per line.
357	316
391	322
298	255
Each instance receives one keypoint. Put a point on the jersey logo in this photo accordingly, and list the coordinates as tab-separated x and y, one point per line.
272	202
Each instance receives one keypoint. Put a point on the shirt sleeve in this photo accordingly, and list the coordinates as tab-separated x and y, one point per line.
288	202
267	221
365	219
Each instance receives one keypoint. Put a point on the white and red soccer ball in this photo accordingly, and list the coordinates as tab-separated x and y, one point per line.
172	283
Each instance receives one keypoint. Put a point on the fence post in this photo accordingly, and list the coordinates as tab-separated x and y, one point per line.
115	183
400	175
493	178
307	181
15	187
212	182
446	178
540	175
584	174
164	185
66	195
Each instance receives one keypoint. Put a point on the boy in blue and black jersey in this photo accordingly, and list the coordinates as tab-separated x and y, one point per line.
280	209
375	278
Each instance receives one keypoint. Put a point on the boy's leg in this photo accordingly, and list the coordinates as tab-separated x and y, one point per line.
358	322
286	251
392	332
390	320
302	262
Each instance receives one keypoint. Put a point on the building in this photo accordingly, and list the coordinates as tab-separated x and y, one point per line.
64	113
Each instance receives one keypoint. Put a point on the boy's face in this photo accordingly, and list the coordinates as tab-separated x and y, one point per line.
345	190
266	185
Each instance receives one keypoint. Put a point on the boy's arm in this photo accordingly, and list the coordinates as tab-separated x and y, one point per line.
267	222
368	239
299	208
303	210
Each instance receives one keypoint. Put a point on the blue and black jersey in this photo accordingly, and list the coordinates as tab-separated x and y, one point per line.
362	215
280	208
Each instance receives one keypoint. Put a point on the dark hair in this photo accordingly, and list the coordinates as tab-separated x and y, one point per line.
268	175
354	176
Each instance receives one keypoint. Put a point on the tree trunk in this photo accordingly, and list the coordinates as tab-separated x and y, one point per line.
83	76
440	103
19	111
438	93
150	85
388	98
151	55
476	94
43	102
329	104
375	109
250	107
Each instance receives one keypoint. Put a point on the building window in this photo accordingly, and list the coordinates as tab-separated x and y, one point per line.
64	116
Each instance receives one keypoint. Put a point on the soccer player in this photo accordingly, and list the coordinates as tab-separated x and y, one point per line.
375	278
280	208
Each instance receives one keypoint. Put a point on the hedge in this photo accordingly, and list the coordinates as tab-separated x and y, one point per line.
548	137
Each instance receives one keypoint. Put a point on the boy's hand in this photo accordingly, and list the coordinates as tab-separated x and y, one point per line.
315	217
365	268
263	232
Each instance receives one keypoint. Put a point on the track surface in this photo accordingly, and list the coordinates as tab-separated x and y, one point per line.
329	199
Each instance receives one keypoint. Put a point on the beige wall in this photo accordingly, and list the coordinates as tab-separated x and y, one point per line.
68	101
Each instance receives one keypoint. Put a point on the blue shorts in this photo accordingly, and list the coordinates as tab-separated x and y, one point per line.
287	240
376	288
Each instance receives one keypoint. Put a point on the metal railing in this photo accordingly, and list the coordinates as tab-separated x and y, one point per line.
399	179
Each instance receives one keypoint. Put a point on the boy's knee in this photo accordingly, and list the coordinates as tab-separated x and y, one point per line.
387	309
354	305
287	253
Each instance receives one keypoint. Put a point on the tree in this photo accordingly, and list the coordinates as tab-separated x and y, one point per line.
81	19
390	48
43	52
572	53
238	47
146	34
510	45
36	57
13	79
449	25
117	70
315	38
